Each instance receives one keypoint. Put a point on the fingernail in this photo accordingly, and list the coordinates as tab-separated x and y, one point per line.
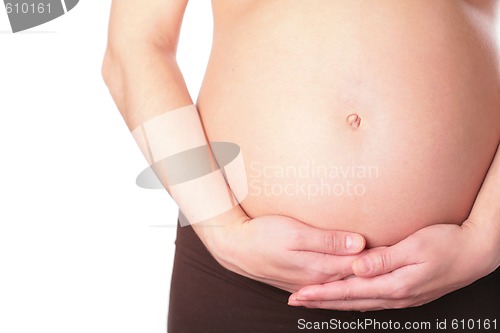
348	242
353	243
363	265
302	296
292	300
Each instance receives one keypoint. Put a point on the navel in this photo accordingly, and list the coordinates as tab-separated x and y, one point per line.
353	120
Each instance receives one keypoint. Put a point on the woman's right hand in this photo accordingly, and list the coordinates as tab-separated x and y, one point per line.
283	252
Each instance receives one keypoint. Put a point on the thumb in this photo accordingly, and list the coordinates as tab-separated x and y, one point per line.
382	261
330	242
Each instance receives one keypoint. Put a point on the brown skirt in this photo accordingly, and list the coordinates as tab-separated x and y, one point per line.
207	298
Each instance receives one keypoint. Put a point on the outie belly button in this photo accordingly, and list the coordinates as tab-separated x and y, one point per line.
353	120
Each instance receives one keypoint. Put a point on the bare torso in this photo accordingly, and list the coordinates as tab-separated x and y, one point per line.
423	77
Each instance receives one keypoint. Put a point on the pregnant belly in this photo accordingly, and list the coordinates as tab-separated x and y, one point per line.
386	179
429	123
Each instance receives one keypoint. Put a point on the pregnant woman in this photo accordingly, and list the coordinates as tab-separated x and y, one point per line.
369	131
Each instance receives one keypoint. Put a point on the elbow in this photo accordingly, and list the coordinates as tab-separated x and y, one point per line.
110	70
120	58
106	67
125	68
115	58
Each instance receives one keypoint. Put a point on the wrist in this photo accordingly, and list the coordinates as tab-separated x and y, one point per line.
483	247
489	253
221	235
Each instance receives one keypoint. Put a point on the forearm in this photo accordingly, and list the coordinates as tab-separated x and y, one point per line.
485	216
145	82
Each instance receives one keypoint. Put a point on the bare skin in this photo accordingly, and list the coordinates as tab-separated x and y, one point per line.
283	81
424	83
410	273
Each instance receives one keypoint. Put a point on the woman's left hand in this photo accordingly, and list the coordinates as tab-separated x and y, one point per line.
428	264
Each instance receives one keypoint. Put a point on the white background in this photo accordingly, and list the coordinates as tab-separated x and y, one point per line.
82	248
79	246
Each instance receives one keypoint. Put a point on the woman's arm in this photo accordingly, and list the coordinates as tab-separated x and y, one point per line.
139	65
485	217
144	79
